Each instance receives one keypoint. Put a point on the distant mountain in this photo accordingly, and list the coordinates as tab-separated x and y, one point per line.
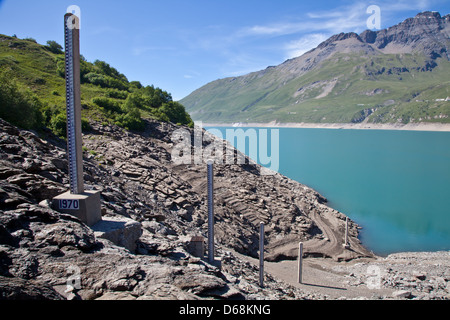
395	75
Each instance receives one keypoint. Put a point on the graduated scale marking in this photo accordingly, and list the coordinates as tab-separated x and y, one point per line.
210	182
73	99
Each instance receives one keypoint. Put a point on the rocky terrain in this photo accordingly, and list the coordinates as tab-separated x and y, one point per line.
45	254
411	275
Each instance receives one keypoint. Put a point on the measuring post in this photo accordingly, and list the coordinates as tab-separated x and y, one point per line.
346	244
300	262
210	170
85	205
73	102
261	254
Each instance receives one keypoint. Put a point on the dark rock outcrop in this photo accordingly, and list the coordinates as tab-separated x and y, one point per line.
427	33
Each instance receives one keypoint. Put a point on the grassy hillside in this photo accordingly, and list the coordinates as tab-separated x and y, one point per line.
347	87
32	91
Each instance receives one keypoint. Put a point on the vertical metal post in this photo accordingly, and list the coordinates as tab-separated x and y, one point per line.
73	102
346	245
300	262
261	254
210	170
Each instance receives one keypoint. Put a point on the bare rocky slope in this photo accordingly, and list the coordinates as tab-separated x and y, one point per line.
41	250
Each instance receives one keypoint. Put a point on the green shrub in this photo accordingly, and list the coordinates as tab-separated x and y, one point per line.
61	67
54	47
117	94
105	81
58	124
107	70
85	125
18	106
30	39
136	84
175	112
108	104
134	100
131	120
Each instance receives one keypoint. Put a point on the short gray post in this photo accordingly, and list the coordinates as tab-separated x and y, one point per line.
346	245
210	211
261	254
300	262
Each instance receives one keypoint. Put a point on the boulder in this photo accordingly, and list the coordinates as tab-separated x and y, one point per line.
122	231
402	294
21	289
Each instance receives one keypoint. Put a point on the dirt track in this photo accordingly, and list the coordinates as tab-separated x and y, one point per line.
413	275
323	276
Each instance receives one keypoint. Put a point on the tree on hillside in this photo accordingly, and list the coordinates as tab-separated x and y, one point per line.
176	113
54	47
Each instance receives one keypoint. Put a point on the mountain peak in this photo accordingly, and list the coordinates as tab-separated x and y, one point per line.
428	14
339	37
428	33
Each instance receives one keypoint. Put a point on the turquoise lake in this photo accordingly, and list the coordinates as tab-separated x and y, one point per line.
395	184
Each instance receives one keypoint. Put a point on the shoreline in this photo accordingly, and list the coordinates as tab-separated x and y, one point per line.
424	127
437	127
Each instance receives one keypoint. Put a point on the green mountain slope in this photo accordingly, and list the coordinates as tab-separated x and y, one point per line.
32	91
348	78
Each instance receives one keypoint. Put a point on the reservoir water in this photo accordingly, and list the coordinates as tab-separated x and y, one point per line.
395	184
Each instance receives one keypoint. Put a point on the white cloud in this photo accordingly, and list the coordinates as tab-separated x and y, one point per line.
350	17
191	74
342	19
298	47
274	29
238	63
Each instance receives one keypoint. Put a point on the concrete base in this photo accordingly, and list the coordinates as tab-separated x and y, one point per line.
85	206
216	263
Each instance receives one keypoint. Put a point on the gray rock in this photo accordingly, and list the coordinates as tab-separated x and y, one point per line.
420	275
21	289
402	294
121	231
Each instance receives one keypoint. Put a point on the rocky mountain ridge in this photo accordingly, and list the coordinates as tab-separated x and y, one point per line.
428	32
406	62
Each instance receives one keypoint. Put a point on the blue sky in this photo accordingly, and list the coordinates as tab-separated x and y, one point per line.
181	45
